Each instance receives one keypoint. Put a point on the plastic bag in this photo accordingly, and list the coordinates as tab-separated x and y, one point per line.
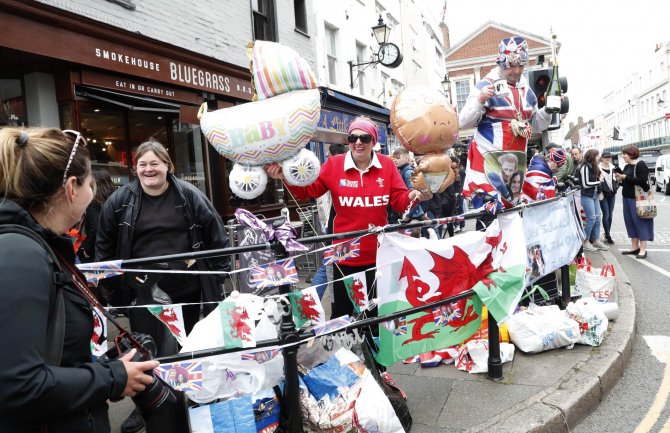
360	406
473	356
595	283
542	328
591	319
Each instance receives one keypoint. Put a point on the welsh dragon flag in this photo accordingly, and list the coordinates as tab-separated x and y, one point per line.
306	307
357	289
238	322
416	272
172	317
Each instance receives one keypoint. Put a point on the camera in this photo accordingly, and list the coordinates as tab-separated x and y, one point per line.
571	182
157	393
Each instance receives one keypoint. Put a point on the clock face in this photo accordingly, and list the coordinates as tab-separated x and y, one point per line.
389	55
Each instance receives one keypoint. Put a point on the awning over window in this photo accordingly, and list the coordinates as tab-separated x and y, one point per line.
131	102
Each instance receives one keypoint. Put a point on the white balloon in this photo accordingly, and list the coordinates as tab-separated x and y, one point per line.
301	169
247	182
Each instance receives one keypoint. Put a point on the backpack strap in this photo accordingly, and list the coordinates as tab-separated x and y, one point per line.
56	319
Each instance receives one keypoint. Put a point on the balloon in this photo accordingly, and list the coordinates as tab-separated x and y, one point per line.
261	132
277	69
423	120
275	127
434	171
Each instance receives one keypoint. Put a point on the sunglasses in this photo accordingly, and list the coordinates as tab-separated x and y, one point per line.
78	138
365	138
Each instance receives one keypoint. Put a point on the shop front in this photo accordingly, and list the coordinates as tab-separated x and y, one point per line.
119	90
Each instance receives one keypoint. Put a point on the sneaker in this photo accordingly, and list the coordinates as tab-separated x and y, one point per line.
599	245
608	240
588	247
133	423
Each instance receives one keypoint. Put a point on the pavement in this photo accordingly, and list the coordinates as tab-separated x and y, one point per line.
550	391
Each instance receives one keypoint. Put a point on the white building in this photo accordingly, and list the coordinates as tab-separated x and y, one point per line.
637	109
344	35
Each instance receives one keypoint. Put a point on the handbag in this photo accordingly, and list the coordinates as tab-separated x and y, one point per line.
593	282
645	206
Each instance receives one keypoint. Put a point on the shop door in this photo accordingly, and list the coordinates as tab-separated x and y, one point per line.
114	133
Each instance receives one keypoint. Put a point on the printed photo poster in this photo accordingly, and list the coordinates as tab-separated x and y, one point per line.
274	274
247	236
182	376
342	251
505	172
357	289
553	237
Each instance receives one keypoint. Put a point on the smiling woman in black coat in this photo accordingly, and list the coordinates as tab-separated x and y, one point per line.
48	381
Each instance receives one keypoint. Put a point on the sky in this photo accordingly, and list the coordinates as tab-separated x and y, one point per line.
602	42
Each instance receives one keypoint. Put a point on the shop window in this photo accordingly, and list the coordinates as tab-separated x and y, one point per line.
12	103
189	160
300	11
264	19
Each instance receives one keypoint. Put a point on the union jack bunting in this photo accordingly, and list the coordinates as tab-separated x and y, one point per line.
342	251
274	274
182	376
262	356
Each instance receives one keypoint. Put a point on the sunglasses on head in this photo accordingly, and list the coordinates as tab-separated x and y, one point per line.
78	139
365	138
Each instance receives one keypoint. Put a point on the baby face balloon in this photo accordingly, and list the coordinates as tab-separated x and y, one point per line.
423	120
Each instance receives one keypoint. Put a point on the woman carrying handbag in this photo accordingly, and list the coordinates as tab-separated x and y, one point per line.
635	173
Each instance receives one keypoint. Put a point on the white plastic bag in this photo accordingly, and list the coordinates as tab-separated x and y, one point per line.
592	321
542	328
473	356
595	283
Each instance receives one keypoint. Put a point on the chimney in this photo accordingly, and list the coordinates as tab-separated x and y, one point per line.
445	36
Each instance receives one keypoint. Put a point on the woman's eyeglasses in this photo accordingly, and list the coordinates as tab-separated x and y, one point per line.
365	138
78	138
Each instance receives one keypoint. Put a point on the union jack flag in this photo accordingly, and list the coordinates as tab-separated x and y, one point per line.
342	251
182	376
539	182
445	313
274	274
262	356
396	326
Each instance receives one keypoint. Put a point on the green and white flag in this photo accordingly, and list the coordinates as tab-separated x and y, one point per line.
306	307
238	322
357	289
416	272
172	317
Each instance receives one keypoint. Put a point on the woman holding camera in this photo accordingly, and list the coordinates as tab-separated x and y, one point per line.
47	379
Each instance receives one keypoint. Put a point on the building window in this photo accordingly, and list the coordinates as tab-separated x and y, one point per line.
360	57
264	20
300	11
462	91
331	53
12	103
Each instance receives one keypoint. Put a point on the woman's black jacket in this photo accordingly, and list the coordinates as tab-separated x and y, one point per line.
206	230
35	396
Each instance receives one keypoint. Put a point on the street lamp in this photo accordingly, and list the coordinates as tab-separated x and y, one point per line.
446	87
388	55
381	31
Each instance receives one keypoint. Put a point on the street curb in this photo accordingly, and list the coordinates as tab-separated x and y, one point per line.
562	406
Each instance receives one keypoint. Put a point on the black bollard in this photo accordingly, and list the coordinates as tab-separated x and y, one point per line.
495	363
288	334
565	286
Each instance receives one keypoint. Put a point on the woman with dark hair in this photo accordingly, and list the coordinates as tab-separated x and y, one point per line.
640	230
589	178
514	187
104	188
48	380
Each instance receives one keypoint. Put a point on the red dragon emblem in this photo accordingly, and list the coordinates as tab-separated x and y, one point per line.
357	293
169	317
238	323
306	308
455	275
